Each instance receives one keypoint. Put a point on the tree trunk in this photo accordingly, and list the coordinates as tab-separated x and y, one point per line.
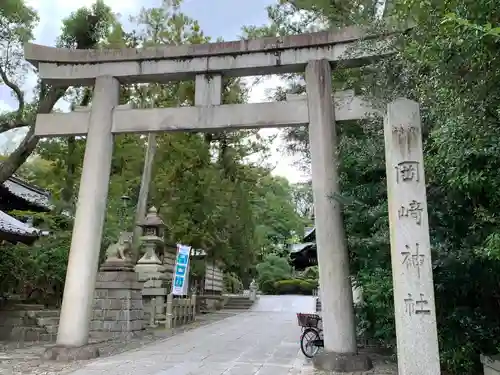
69	183
142	201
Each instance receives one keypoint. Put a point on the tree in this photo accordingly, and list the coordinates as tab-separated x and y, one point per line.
303	199
83	29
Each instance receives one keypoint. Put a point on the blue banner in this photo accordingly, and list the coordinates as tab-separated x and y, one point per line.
181	271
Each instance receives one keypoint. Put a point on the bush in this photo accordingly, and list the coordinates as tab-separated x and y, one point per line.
35	273
272	269
295	286
310	273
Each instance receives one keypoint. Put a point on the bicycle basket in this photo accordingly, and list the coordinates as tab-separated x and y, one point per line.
308	320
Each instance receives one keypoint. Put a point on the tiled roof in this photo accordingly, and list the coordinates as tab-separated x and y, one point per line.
30	193
310	235
9	224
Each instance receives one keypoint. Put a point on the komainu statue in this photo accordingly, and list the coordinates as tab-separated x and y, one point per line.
120	253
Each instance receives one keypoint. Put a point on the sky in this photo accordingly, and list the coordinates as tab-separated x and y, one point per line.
217	18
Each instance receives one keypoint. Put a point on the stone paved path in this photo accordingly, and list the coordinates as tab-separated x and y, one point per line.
261	343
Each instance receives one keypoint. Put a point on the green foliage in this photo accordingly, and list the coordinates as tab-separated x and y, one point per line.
197	268
311	273
36	273
86	27
232	283
376	313
295	286
272	269
17	21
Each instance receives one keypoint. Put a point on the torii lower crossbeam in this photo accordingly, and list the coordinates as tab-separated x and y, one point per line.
291	113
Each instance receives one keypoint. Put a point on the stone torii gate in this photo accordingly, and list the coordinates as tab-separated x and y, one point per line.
207	64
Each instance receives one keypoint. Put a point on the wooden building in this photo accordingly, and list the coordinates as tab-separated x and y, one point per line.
16	194
304	254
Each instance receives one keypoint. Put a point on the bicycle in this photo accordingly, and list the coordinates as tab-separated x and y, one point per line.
311	339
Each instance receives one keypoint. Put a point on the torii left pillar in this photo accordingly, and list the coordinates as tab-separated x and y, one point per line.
73	333
337	308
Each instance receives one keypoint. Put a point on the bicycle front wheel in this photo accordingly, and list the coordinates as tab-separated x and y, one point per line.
308	342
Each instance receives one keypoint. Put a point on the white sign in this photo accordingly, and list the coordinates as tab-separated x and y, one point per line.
180	281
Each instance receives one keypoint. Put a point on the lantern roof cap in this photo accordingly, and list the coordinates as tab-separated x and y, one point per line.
152	219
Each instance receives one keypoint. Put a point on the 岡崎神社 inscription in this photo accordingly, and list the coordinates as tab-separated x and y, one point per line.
413	258
410	242
405	134
416	307
413	210
407	171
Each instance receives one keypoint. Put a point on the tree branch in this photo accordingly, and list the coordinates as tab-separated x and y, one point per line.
6	125
48	98
17	91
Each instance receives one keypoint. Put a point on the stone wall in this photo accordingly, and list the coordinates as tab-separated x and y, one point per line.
117	308
32	323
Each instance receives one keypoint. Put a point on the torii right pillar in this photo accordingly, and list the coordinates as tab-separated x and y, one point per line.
337	309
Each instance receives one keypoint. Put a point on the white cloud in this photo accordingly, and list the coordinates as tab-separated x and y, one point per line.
5	107
10	139
284	163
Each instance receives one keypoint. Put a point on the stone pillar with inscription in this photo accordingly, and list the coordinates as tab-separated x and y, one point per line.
417	341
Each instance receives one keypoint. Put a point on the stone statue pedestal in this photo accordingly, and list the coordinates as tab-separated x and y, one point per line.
151	273
150	269
118	265
117	308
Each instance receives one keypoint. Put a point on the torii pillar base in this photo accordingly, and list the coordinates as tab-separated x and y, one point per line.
66	354
341	362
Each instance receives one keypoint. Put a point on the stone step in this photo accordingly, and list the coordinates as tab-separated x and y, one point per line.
11	320
47	313
230	306
28	306
239	303
236	308
239	298
31	334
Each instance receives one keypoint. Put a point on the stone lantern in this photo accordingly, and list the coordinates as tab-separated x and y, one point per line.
150	268
152	237
152	224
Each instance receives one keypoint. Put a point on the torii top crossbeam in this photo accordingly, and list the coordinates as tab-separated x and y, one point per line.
263	56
